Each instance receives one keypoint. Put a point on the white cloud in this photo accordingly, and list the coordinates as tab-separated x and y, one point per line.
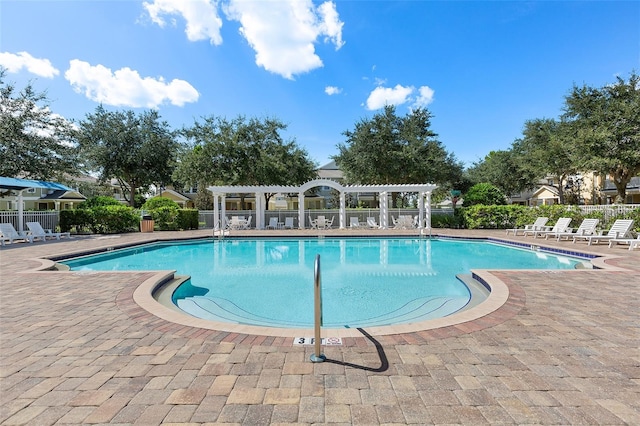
125	87
202	17
332	90
425	96
15	62
283	32
382	96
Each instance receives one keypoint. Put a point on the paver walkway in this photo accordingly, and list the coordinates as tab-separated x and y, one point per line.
75	350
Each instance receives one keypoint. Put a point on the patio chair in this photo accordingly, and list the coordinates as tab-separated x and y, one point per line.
313	223
354	222
328	223
288	223
273	223
321	222
37	231
561	226
621	228
246	224
587	227
633	242
10	234
371	222
537	225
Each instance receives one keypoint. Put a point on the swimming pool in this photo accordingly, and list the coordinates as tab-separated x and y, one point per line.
365	282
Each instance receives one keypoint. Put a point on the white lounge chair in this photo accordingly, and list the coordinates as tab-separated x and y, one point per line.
537	225
621	228
10	234
37	231
587	227
633	242
371	222
288	222
273	223
561	226
354	222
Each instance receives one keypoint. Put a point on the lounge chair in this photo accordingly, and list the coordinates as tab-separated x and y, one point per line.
633	242
587	227
354	222
38	232
273	223
537	225
288	223
371	222
561	226
621	228
10	234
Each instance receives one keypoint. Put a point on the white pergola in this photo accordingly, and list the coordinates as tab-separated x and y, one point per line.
424	199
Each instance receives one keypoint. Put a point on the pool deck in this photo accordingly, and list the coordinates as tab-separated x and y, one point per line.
76	349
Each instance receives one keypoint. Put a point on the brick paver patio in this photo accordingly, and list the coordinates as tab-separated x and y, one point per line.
75	349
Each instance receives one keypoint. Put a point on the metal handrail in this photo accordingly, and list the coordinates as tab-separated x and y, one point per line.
317	355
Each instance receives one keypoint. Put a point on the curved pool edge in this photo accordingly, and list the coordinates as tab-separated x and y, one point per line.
143	295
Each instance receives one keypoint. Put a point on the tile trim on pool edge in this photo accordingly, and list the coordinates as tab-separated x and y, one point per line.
143	296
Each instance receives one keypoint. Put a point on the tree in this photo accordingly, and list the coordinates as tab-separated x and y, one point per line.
549	149
606	125
484	193
34	142
137	150
505	169
242	152
389	149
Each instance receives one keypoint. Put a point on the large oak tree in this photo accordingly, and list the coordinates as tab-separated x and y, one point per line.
136	149
34	142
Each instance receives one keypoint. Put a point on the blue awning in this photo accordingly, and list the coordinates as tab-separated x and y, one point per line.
20	184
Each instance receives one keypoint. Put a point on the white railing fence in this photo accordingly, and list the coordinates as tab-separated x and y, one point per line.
48	219
610	211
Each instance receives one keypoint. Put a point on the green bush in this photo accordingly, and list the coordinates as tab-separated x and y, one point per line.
100	218
485	194
98	201
446	220
114	219
164	212
491	217
188	219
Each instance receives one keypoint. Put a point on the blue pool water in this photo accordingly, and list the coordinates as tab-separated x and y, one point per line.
365	282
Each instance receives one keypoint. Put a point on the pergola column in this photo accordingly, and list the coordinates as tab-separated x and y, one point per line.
384	210
428	218
301	210
217	220
420	210
343	210
259	196
223	210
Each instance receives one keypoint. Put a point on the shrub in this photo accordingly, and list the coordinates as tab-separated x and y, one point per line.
100	215
485	194
187	219
164	212
491	217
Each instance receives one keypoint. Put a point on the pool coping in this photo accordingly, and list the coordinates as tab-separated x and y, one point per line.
498	298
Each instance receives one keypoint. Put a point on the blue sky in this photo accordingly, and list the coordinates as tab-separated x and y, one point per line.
481	67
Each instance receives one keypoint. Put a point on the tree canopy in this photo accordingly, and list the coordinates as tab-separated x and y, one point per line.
606	129
387	149
137	149
34	142
504	169
242	152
